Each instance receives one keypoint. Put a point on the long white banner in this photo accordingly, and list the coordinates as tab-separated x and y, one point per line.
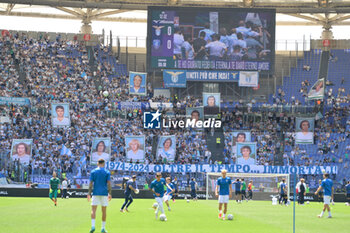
191	168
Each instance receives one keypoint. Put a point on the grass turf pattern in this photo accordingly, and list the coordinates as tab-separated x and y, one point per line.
31	215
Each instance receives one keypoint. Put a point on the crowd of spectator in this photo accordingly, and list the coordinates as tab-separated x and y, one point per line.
60	71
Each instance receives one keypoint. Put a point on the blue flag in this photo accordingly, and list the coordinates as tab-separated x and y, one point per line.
66	151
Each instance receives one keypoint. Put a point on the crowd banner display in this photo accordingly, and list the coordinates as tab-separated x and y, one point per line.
14	100
137	83
248	79
178	78
317	90
174	78
234	168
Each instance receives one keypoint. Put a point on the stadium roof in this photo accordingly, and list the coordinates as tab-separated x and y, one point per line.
312	12
282	6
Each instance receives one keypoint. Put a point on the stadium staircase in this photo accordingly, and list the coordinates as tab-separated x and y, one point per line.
93	65
92	62
323	72
215	148
278	158
19	68
155	146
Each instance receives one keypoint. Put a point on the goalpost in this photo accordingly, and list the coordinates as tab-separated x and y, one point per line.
268	183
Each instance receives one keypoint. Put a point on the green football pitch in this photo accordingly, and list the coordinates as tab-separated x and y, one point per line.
27	215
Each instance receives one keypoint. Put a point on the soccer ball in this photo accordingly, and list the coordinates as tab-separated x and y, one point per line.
274	200
230	217
67	197
347	204
105	93
307	202
162	217
137	191
188	201
155	205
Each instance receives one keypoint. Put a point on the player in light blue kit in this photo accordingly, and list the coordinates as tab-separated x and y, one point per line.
283	192
327	186
223	190
194	187
100	187
170	190
157	187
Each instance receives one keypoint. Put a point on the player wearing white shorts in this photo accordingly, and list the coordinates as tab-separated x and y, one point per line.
170	189
223	190
157	187
101	190
327	186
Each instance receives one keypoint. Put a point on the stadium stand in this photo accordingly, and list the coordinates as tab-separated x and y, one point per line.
60	71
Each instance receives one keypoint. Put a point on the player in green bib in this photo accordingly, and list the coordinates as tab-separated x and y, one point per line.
54	188
243	190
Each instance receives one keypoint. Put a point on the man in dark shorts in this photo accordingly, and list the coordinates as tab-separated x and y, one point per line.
130	185
320	193
347	187
243	190
283	192
237	184
193	185
175	183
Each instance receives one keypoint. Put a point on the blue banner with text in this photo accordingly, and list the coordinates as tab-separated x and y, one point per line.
231	168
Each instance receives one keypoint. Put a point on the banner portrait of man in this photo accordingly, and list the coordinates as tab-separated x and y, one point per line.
196	113
137	83
60	114
246	153
211	103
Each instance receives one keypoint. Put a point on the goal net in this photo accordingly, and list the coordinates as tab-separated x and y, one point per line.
264	185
